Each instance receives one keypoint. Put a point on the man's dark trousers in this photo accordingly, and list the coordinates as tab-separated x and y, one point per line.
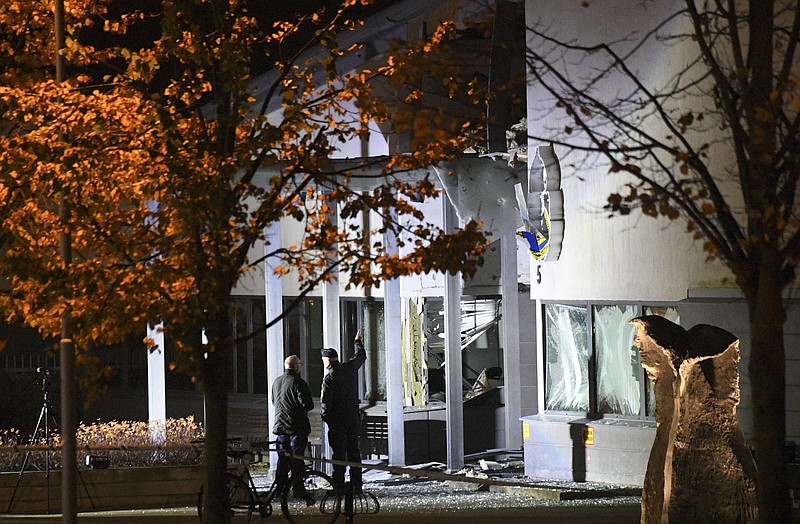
343	439
296	445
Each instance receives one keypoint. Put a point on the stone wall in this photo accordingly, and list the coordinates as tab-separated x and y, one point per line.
102	489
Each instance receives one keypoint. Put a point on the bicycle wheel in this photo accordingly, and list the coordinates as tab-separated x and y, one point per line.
317	502
240	500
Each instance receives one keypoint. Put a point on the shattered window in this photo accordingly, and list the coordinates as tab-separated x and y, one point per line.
670	313
480	341
619	374
567	353
375	339
591	363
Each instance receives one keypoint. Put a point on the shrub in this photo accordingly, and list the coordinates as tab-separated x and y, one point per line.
131	441
11	461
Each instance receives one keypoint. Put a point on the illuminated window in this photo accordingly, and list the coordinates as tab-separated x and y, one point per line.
591	364
619	375
567	358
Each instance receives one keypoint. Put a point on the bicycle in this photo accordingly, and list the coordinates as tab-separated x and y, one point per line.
320	502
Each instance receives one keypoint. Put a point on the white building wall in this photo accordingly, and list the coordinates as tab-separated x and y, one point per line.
621	258
731	314
251	283
632	257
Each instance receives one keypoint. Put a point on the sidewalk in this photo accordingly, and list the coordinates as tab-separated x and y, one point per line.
540	515
404	500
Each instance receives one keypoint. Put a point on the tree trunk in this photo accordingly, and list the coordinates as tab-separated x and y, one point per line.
768	384
215	389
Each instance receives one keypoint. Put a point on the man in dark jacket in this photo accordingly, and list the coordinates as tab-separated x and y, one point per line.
291	397
340	410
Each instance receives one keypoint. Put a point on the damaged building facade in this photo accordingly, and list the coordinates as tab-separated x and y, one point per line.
535	352
595	405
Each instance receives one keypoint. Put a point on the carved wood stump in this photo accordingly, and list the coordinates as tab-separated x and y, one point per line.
700	470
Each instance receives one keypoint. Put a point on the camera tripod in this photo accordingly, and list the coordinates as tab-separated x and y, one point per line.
46	418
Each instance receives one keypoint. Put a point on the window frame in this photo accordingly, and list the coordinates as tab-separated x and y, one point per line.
299	341
592	352
348	329
242	310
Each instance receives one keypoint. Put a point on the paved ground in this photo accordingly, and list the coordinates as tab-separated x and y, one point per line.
423	501
541	515
407	500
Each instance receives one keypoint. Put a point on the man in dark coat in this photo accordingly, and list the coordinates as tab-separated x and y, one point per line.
340	410
291	397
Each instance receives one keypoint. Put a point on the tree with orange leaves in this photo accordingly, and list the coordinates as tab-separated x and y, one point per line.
175	164
57	175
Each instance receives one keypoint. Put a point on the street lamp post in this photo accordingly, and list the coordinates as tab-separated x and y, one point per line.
69	514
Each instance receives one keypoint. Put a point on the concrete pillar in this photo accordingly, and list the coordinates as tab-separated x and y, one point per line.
331	329
394	360
331	321
453	362
156	387
274	334
512	363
